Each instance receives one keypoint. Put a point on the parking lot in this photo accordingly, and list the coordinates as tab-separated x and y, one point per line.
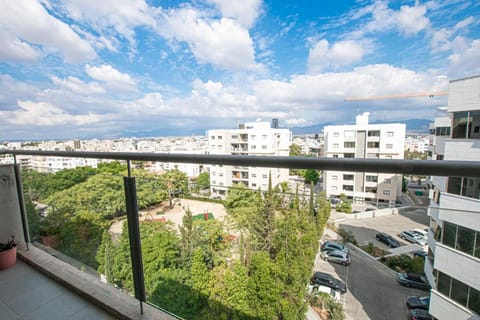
408	218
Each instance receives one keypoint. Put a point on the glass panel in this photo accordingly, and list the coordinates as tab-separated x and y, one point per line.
375	133
454	185
449	231
348	177
477	246
474	300
459	292
349	144
459	130
465	240
443	285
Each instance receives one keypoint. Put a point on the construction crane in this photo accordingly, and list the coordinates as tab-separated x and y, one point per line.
399	96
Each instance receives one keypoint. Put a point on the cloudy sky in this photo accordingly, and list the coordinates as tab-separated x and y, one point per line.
110	68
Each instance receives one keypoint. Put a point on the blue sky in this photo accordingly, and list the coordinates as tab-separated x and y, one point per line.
111	68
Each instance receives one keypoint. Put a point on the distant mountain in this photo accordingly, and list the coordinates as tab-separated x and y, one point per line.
413	125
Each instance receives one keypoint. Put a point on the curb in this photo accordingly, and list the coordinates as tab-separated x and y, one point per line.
381	265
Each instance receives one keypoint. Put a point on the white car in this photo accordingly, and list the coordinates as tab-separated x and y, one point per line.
330	291
413	237
421	232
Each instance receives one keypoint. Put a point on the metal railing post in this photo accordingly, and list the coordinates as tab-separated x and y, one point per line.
134	238
21	202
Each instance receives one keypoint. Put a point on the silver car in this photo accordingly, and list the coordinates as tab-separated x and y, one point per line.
337	256
413	237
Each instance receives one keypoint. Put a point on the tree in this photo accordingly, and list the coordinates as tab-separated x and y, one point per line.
203	180
105	257
344	205
295	150
187	239
311	175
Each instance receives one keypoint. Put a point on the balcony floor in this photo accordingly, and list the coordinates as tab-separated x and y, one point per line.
26	293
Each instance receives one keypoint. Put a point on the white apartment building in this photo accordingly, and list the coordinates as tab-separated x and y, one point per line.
364	140
252	139
453	264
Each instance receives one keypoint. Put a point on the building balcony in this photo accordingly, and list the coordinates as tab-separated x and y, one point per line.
116	303
442	307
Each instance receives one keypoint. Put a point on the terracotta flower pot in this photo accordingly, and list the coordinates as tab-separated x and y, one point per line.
8	258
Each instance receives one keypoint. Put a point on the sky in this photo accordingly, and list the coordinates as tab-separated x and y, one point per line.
114	68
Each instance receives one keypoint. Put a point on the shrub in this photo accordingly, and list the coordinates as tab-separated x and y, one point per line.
347	236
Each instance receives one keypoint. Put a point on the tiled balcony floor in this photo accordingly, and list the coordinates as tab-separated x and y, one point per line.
26	293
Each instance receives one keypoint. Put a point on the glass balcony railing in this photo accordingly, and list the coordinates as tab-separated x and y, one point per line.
163	239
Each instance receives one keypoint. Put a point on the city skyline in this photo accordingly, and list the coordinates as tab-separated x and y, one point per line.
81	68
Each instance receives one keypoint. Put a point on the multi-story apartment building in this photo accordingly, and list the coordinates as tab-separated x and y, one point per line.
253	139
439	132
364	140
453	263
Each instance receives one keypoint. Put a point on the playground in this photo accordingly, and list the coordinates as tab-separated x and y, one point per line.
175	213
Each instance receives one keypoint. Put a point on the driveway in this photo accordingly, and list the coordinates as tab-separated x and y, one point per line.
373	293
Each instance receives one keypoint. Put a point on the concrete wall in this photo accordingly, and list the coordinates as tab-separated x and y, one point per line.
444	308
372	214
10	219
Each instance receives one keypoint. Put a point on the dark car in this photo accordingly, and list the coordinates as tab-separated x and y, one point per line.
419	314
388	240
420	253
325	279
413	280
416	302
330	245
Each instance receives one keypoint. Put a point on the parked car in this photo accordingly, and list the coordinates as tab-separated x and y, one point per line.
387	239
337	256
422	233
330	245
413	237
416	302
325	279
370	209
419	314
330	291
413	280
420	253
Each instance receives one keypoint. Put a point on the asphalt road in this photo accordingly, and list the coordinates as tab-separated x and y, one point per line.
373	292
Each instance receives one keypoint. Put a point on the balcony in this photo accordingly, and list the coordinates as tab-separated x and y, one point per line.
122	304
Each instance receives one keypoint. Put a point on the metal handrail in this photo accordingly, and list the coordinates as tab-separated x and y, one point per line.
417	167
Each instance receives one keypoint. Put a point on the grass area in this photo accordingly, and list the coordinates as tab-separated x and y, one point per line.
404	263
374	251
201	216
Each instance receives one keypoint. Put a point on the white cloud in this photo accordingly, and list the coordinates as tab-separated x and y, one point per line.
446	39
78	86
113	78
292	122
223	43
412	20
45	114
28	20
246	11
323	55
16	50
122	16
465	62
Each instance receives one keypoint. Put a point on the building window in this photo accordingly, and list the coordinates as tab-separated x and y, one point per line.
388	181
372	155
348	177
465	240
333	188
386	192
371	189
213	137
347	188
234	136
214	173
335	145
254	185
349	155
449	234
474	300
477	246
264	176
336	134
371	178
220	174
221	183
443	285
389	146
375	133
459	292
219	137
335	155
253	136
349	144
264	136
334	177
442	131
254	175
264	147
373	144
389	133
214	182
253	146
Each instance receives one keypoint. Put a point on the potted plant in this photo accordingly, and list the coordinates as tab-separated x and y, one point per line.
8	253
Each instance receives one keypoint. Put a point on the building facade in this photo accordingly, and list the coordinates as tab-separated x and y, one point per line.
253	139
364	140
453	263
